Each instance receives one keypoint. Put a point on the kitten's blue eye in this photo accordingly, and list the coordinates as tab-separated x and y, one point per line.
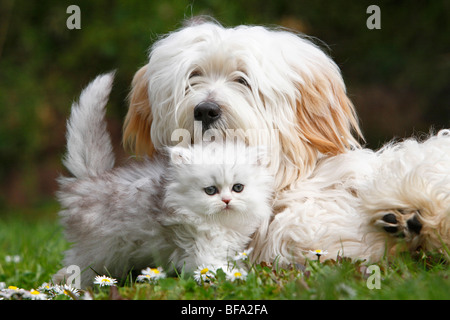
210	191
238	187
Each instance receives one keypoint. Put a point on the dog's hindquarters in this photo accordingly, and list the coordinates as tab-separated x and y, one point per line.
89	149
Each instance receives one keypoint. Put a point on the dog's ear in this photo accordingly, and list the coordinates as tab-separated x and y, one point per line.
136	130
326	116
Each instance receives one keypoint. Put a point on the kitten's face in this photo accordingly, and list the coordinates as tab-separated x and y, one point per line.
219	189
232	193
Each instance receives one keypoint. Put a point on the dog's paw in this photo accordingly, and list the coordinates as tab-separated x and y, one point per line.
401	223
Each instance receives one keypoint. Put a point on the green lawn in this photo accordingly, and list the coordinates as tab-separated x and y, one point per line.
31	249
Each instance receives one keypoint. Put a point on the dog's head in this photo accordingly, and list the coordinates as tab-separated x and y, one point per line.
236	80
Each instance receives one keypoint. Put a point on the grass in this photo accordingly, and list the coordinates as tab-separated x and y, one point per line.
39	243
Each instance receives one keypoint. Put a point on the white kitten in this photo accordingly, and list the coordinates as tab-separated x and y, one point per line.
164	211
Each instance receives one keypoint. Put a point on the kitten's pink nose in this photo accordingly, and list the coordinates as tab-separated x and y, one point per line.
227	201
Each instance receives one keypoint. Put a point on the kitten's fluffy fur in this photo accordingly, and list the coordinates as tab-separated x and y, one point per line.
156	211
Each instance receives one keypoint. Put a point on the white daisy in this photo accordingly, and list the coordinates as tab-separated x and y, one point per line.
151	274
70	291
35	295
57	289
104	281
143	278
319	252
46	287
204	274
236	274
12	292
5	294
243	255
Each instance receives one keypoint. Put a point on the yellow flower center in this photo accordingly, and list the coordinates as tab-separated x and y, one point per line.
237	274
155	271
35	292
13	287
204	270
318	251
106	280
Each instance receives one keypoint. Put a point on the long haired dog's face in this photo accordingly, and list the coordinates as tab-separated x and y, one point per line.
243	81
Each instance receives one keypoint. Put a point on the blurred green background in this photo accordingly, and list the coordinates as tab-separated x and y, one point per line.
398	76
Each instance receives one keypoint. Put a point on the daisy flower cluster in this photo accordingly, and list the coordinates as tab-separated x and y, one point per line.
44	292
147	275
204	274
209	273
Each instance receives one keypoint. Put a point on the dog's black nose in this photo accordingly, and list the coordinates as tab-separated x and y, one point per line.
207	112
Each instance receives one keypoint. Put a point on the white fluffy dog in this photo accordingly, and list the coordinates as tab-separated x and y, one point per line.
330	193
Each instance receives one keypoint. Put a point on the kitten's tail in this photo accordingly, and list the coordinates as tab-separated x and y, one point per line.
89	149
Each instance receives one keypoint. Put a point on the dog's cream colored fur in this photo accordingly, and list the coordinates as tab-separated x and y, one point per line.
330	193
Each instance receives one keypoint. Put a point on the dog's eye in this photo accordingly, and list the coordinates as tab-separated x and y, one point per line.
211	190
238	187
242	81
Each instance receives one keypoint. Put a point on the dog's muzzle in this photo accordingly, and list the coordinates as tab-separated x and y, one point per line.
207	112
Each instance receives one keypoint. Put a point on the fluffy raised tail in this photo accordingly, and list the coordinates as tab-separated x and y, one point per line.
89	149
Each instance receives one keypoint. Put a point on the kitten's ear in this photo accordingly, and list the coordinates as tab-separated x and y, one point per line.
180	155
